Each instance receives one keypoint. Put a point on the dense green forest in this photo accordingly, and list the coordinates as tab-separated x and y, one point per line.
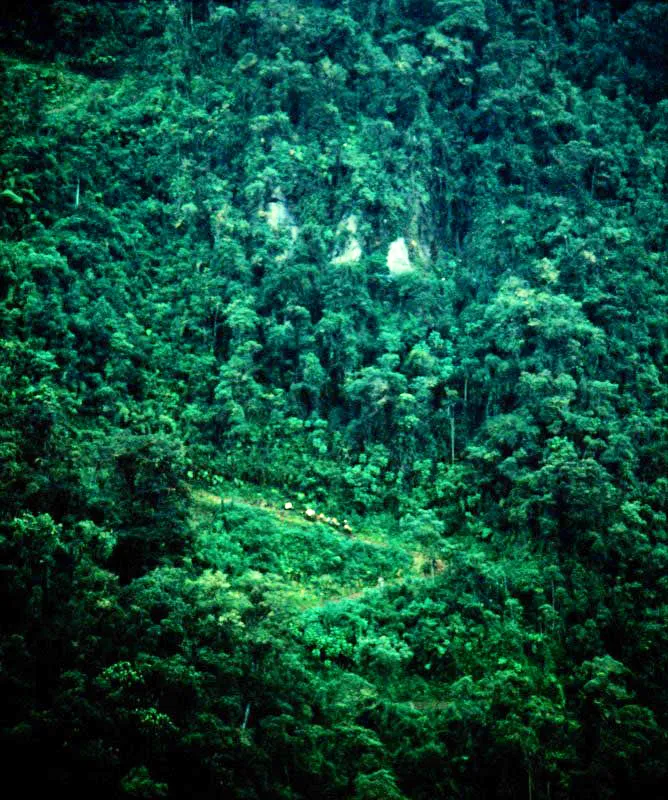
333	411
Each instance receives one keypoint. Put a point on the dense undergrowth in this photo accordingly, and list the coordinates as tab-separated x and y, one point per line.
197	202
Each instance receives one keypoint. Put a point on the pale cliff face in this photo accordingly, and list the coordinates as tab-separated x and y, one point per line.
351	252
398	260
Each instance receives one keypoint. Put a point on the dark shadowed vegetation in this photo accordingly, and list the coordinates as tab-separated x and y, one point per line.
397	264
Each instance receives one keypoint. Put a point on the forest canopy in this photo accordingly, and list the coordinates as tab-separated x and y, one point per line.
333	400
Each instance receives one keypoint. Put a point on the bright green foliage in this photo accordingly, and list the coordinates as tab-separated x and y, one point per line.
200	339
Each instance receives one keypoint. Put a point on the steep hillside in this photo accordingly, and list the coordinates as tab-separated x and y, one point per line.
401	262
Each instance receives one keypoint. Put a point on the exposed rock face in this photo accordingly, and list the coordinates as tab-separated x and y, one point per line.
352	249
351	254
398	260
279	217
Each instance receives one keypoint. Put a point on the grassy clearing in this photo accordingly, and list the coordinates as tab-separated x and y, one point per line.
313	563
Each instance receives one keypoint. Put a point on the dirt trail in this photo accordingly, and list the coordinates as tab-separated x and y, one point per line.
207	502
204	498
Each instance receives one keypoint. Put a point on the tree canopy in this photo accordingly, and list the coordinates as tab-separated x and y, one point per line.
333	399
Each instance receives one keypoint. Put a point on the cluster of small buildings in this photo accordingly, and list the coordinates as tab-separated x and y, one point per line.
312	516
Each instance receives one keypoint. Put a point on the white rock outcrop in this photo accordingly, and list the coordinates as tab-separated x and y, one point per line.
398	260
352	249
278	215
351	254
